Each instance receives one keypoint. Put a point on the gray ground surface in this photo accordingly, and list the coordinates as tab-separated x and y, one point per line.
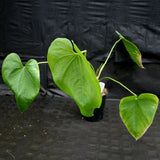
52	129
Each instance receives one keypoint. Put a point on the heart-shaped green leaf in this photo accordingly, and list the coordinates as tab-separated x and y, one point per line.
73	74
133	51
137	113
24	81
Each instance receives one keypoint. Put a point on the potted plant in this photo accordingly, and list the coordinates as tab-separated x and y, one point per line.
74	75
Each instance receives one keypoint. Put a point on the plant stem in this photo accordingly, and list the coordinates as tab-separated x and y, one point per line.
107	58
84	52
42	62
119	34
119	84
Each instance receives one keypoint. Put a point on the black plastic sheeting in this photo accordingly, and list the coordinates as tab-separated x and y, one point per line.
28	27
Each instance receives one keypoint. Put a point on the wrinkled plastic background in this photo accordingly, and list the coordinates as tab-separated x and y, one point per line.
28	28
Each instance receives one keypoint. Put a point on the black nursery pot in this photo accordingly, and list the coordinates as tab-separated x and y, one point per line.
98	112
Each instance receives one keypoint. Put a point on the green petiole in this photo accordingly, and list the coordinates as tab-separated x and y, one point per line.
119	84
42	62
108	58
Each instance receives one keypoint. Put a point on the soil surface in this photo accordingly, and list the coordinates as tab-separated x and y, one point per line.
52	129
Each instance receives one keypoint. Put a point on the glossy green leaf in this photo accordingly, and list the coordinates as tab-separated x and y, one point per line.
133	51
73	74
137	113
24	81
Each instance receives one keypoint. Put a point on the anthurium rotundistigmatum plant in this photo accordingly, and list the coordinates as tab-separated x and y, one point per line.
74	75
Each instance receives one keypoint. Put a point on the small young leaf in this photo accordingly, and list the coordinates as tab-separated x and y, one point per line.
137	113
73	74
24	81
132	50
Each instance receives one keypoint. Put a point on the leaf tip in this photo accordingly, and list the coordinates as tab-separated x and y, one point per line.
139	58
137	139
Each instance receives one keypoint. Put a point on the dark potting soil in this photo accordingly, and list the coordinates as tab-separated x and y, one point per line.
52	129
